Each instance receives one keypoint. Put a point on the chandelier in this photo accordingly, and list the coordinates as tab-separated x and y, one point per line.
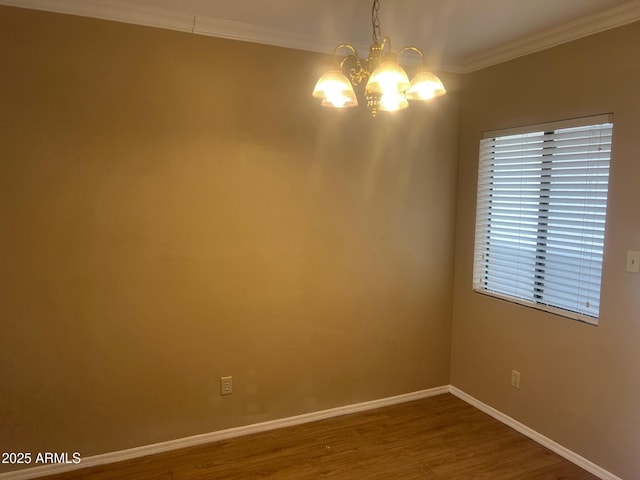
386	85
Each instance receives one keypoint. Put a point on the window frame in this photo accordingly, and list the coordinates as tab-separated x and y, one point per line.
482	236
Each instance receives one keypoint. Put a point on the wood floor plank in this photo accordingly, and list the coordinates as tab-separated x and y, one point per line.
437	438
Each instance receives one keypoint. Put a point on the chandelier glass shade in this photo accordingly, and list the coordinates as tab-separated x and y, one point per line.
335	90
386	84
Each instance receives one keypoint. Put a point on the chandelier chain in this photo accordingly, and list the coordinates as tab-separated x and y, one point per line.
375	21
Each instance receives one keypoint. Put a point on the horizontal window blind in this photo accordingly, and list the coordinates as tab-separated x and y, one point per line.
540	218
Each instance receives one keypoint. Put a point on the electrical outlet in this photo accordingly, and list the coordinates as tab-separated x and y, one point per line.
226	385
515	379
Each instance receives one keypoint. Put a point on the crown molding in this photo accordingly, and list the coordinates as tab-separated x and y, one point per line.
599	22
128	12
246	32
108	10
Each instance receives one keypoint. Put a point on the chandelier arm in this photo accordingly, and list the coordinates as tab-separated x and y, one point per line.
415	50
349	47
359	72
386	42
344	60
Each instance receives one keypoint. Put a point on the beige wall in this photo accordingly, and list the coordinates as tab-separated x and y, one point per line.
165	222
580	384
176	208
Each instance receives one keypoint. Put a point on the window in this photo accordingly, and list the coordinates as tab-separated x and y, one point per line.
540	218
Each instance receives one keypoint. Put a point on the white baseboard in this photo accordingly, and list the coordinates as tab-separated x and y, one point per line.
131	453
537	437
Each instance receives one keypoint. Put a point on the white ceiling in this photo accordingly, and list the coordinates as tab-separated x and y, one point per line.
456	35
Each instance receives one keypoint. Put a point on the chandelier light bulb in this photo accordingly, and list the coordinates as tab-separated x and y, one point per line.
388	78
392	102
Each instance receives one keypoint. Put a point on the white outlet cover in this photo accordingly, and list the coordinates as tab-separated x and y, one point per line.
515	379
226	385
633	262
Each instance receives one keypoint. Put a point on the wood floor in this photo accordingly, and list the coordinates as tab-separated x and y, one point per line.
436	438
